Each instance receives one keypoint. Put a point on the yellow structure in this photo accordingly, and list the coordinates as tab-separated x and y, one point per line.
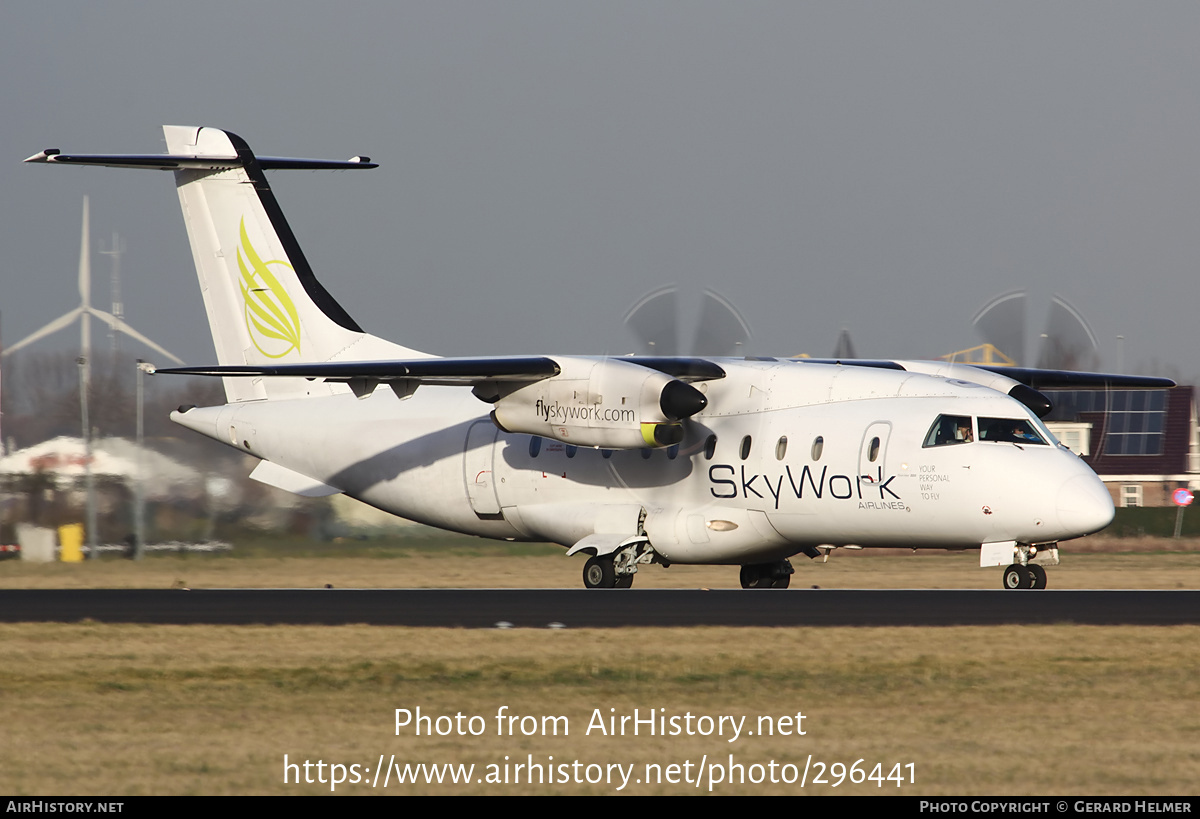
983	354
70	543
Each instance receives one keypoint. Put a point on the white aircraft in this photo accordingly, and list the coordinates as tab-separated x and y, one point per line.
631	461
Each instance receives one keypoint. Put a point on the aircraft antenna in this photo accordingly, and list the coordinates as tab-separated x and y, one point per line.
118	308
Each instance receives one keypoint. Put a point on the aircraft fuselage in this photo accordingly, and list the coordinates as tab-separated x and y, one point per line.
814	455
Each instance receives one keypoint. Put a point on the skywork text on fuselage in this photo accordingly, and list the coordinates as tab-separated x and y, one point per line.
565	412
788	485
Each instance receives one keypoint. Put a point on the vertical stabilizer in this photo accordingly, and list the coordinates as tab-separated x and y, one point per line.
264	304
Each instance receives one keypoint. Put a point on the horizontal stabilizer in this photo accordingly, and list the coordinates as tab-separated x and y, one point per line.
175	162
444	371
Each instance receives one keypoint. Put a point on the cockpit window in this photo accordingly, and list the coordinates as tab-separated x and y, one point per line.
1044	431
950	429
1009	430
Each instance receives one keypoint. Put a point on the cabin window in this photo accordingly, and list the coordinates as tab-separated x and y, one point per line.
607	453
873	450
950	429
672	451
818	447
710	447
745	448
535	446
1009	430
645	453
781	448
571	450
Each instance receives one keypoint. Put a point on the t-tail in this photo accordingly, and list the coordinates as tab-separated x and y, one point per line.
265	306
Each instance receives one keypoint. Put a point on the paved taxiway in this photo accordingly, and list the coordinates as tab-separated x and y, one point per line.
582	608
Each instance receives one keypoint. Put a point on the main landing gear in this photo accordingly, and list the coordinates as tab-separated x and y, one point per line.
767	575
616	570
1031	576
600	572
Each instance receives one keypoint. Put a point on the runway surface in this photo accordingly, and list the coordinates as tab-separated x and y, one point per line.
595	608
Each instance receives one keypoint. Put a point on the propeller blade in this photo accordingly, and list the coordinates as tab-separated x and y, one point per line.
1068	343
653	319
722	330
1001	323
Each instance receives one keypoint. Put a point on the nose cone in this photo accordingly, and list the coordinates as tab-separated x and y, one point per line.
1084	505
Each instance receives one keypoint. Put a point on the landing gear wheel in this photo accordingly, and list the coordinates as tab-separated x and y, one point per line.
1017	576
753	577
623	581
598	573
1038	574
766	575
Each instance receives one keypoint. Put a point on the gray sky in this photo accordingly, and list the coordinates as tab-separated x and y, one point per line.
885	166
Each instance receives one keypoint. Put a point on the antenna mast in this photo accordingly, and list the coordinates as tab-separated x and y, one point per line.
118	307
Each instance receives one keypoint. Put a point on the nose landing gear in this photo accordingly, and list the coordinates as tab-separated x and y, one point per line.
1030	576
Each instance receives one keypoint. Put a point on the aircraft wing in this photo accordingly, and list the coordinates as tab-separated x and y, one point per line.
657	385
682	367
1021	383
451	371
1029	376
1066	379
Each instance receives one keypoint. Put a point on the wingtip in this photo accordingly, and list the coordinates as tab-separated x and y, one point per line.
44	156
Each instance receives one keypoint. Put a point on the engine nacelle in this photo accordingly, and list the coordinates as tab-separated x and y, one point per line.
606	403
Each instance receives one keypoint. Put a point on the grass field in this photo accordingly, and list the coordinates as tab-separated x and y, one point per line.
122	710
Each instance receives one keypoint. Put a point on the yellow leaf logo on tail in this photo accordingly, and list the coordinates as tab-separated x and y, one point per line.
271	317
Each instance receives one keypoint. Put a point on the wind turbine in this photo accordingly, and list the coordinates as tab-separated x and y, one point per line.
85	311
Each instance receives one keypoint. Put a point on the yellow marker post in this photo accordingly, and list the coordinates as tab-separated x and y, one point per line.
70	543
